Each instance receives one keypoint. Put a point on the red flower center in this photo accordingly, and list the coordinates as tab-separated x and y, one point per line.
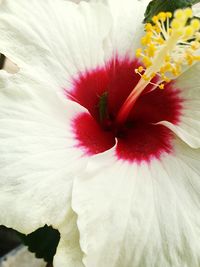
103	91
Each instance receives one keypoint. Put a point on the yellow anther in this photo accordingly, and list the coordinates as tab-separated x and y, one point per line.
162	16
153	75
147	38
145	77
169	15
148	27
157	29
155	19
189	58
144	40
138	52
161	86
188	12
176	24
176	71
140	69
151	50
167	58
166	79
195	24
168	66
179	14
160	40
147	62
180	32
189	31
170	31
165	68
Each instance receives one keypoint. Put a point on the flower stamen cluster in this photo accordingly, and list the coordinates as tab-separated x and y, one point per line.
169	46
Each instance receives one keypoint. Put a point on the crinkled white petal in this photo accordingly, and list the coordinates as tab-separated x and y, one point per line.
68	252
189	127
196	10
60	36
38	158
127	27
140	215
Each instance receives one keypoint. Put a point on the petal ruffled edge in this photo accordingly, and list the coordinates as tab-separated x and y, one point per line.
147	215
35	143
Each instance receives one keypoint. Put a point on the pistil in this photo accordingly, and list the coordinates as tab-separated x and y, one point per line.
168	49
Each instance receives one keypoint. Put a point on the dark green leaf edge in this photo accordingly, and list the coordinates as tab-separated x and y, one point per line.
156	6
43	242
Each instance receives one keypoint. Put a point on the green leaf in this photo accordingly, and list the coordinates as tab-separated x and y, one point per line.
43	242
195	2
157	6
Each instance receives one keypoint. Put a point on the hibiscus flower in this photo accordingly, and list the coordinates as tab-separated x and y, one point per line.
89	141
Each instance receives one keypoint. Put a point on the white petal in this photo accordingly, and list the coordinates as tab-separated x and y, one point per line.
189	127
140	215
62	37
38	158
196	10
68	252
128	26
